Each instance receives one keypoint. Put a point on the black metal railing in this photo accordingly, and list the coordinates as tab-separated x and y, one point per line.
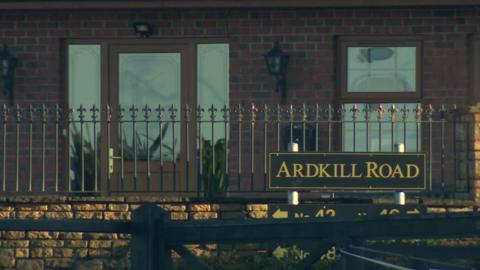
214	151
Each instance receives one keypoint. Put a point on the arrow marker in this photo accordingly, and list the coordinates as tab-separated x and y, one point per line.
413	212
278	214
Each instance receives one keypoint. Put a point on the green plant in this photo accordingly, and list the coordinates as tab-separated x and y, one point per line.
214	182
77	142
144	148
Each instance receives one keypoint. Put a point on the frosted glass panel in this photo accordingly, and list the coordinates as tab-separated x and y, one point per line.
213	84
84	80
381	69
150	79
377	136
83	75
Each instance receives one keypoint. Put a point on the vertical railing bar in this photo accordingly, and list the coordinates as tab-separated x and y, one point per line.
212	111
160	111
430	124
94	111
17	149
252	145
173	117
57	122
4	159
225	132
405	119
291	122
108	118
44	122
278	111
30	151
455	154
393	121
265	143
468	123
239	161
304	126
146	116
200	150
317	120
418	120
354	111
380	112
187	145
81	115
122	148
69	165
134	110
330	127
366	108
442	161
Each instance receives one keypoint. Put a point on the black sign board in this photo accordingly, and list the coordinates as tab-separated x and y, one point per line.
346	211
347	171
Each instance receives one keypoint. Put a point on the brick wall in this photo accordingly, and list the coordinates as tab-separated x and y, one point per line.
60	250
307	35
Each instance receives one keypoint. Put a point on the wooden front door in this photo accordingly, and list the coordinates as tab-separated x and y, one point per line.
147	147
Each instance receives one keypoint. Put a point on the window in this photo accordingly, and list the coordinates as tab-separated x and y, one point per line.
378	76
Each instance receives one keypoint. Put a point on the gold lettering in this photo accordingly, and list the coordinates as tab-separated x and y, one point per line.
381	171
335	170
342	171
398	171
297	170
371	167
323	170
283	169
415	167
354	170
309	170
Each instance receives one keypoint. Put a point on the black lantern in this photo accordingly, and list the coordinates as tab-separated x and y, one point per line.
8	63
143	29
277	63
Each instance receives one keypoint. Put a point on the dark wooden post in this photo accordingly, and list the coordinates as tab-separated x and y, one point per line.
149	249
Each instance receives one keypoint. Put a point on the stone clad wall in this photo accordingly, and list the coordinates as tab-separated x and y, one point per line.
78	250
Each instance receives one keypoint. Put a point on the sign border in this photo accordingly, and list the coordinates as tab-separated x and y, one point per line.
426	186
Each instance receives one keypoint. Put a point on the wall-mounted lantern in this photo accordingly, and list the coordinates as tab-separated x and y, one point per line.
277	63
8	62
143	29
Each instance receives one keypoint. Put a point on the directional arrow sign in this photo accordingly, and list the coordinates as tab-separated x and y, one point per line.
279	214
333	211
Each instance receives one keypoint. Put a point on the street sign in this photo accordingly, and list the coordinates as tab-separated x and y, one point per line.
335	211
347	171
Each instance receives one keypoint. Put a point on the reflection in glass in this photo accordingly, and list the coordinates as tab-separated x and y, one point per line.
150	79
381	69
212	93
83	90
377	133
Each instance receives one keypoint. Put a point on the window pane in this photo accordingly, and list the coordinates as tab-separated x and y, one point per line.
379	135
381	69
150	79
213	86
83	89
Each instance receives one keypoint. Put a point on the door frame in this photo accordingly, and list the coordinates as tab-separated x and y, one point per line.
190	42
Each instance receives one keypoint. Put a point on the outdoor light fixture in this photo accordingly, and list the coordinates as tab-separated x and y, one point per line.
143	29
277	62
8	63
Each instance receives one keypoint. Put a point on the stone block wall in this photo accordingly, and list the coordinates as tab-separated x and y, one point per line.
78	250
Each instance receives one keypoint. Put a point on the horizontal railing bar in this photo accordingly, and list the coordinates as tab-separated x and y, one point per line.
99	226
432	226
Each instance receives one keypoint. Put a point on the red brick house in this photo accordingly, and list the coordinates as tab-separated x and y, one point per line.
360	57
